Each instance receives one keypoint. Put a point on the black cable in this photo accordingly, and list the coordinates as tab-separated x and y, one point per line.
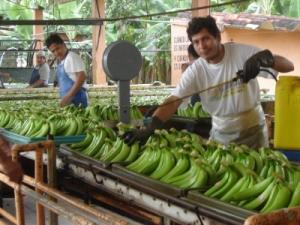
24	6
99	31
235	79
272	74
153	14
174	11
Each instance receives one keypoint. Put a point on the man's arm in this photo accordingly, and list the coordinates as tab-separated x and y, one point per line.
164	113
282	64
12	169
80	78
4	74
36	84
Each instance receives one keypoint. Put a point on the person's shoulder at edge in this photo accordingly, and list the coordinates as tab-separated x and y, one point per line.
235	45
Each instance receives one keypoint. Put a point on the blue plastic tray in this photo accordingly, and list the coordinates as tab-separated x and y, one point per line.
292	155
20	139
68	139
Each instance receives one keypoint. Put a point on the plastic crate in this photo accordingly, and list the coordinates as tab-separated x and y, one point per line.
292	155
20	139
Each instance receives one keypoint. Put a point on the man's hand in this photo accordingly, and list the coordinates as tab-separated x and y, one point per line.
13	170
137	135
252	65
66	100
142	135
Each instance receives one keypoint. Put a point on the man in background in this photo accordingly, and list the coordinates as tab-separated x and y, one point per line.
41	72
70	73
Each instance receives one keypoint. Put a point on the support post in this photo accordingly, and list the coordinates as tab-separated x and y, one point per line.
98	75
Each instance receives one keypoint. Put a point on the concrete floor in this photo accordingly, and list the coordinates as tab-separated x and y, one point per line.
30	214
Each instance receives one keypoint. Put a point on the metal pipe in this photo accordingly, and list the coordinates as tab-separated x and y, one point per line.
58	208
101	215
72	22
51	171
38	174
19	204
19	220
8	216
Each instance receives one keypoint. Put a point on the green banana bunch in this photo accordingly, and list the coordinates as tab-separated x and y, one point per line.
279	198
147	162
195	177
196	111
80	146
182	165
253	191
224	184
133	154
262	198
295	199
95	145
166	163
123	154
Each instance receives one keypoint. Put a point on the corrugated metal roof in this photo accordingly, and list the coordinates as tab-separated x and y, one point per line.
253	21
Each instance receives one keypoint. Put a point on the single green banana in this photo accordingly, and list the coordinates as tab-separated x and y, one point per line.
71	130
150	163
232	179
123	154
80	126
181	166
84	143
262	198
196	110
167	162
134	152
97	141
116	149
140	160
44	131
295	200
253	191
258	160
186	179
280	199
235	188
218	184
264	172
202	178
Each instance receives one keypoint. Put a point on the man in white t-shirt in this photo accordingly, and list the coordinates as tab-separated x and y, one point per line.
41	72
70	73
235	108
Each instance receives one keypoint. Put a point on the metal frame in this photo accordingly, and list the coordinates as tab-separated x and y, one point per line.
49	197
90	22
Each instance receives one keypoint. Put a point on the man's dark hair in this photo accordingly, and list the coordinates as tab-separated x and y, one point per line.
192	51
53	39
199	23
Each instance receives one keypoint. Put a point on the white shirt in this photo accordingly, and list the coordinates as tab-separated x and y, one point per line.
230	100
44	72
73	64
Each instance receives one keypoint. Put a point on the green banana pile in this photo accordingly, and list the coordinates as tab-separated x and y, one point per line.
100	112
102	144
195	112
37	119
261	180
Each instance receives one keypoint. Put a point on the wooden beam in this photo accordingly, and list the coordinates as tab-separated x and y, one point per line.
38	31
200	12
89	22
99	77
62	1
